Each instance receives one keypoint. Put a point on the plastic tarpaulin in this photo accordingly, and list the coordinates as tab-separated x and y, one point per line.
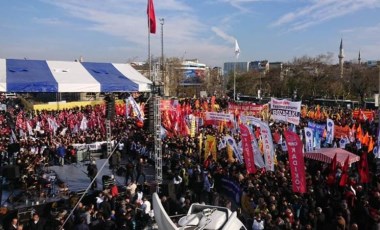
327	154
17	75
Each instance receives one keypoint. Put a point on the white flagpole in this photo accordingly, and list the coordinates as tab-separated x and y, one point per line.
237	52
234	80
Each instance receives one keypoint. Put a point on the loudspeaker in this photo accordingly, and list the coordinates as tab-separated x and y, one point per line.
11	172
110	106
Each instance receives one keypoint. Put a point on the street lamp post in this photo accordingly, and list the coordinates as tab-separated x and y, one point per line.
163	78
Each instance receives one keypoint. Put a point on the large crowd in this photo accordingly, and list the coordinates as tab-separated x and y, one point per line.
33	140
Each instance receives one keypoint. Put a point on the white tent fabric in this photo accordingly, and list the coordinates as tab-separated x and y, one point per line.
64	76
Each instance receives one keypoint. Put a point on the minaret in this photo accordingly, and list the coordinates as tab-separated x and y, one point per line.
341	56
359	58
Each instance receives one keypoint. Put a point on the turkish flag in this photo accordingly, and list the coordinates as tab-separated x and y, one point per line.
363	168
151	17
344	176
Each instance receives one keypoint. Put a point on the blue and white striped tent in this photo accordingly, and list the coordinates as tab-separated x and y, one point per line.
65	76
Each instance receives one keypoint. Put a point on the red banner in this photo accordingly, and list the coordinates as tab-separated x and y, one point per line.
296	162
244	108
363	114
246	140
341	131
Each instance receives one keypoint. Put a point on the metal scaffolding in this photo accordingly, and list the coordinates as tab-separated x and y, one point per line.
157	140
108	133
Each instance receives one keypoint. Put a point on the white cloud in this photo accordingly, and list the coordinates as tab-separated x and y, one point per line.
184	32
223	35
49	21
318	11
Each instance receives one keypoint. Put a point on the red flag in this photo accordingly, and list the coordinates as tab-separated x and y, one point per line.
297	168
344	176
331	177
246	140
363	168
151	17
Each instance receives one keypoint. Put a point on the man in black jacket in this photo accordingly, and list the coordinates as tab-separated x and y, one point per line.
92	170
36	223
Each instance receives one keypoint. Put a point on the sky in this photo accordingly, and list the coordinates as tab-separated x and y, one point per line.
117	31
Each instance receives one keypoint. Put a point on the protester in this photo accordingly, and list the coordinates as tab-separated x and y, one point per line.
268	200
92	171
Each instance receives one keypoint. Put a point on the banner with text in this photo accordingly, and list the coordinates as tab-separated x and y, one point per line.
330	131
266	137
341	131
318	130
309	139
213	116
244	108
285	110
246	139
296	162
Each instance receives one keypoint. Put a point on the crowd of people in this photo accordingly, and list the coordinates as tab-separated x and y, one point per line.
267	200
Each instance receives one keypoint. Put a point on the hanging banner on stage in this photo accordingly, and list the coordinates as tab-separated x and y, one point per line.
296	162
244	108
136	108
246	139
285	110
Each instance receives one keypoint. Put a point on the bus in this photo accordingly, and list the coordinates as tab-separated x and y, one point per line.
252	99
349	104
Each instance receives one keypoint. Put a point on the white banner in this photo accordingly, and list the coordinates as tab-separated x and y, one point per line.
136	108
309	139
285	110
250	120
330	131
259	161
266	136
219	116
95	146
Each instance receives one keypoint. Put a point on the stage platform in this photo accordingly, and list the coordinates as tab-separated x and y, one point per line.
75	177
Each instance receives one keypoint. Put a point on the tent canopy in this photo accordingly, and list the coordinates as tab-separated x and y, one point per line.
17	75
327	154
